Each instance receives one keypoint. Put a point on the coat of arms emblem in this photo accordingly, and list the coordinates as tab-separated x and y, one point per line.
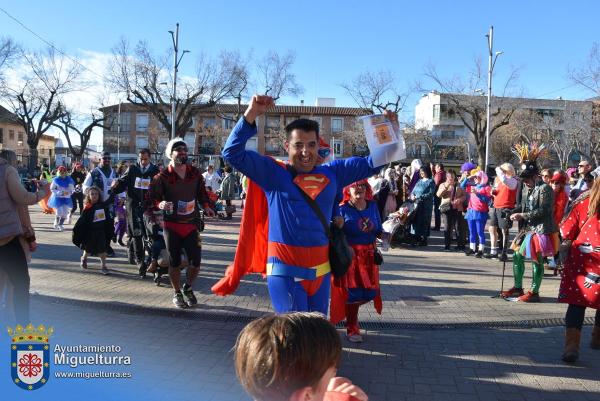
30	355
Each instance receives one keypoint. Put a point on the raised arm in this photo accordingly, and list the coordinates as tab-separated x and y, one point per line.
257	167
353	169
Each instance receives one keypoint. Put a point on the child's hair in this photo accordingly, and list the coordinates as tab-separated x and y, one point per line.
276	355
88	197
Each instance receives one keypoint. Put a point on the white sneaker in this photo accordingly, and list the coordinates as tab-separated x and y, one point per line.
55	225
61	228
355	338
68	221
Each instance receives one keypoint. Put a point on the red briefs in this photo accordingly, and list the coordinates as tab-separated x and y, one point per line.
181	229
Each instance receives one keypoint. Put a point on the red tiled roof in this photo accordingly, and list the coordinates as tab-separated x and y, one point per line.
227	108
8	117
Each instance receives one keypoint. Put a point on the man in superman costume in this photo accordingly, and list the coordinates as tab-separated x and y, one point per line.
289	245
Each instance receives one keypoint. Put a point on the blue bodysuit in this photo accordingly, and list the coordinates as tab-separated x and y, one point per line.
298	250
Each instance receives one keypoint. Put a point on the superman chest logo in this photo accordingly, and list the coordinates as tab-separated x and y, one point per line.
312	184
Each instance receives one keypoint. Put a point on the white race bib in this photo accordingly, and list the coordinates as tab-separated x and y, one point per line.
99	215
142	183
184	208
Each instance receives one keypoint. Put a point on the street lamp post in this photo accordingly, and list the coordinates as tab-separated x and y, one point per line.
176	61
491	63
119	132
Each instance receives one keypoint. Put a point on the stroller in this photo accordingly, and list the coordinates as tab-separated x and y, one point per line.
397	226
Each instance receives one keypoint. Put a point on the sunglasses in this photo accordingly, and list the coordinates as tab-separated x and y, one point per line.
359	186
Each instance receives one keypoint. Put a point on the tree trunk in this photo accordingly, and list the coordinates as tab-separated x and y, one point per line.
481	155
33	159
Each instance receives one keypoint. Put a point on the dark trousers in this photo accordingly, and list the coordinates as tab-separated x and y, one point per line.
462	228
175	243
14	264
451	222
575	316
77	199
228	203
437	215
136	231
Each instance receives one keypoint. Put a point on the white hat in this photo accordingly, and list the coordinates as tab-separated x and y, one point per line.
172	144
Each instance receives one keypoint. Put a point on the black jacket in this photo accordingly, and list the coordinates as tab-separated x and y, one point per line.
135	196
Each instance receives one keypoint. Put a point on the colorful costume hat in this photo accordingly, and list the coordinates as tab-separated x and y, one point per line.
528	155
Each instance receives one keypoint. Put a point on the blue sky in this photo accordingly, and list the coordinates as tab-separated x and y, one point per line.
335	41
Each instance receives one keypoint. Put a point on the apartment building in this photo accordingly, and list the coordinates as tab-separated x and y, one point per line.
13	137
437	117
211	126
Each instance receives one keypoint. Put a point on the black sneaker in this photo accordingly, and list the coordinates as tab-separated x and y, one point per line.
469	252
189	294
178	300
479	254
503	258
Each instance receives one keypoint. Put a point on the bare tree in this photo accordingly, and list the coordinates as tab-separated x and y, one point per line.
275	76
70	129
238	68
36	99
470	109
587	75
145	80
8	54
376	91
414	136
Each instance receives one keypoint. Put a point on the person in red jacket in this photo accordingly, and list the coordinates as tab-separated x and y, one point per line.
561	197
580	284
292	357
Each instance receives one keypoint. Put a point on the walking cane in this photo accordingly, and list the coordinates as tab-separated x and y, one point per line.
504	251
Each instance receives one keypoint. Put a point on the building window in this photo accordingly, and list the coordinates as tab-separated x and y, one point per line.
141	141
11	135
290	119
448	135
338	147
209	122
141	122
319	120
1	135
228	122
252	144
337	124
436	111
272	145
125	122
20	136
447	111
273	122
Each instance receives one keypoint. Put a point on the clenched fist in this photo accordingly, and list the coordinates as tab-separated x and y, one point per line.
257	107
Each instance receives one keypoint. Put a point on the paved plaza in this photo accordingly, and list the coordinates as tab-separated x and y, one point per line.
442	335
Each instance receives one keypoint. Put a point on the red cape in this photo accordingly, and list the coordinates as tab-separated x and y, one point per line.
251	252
